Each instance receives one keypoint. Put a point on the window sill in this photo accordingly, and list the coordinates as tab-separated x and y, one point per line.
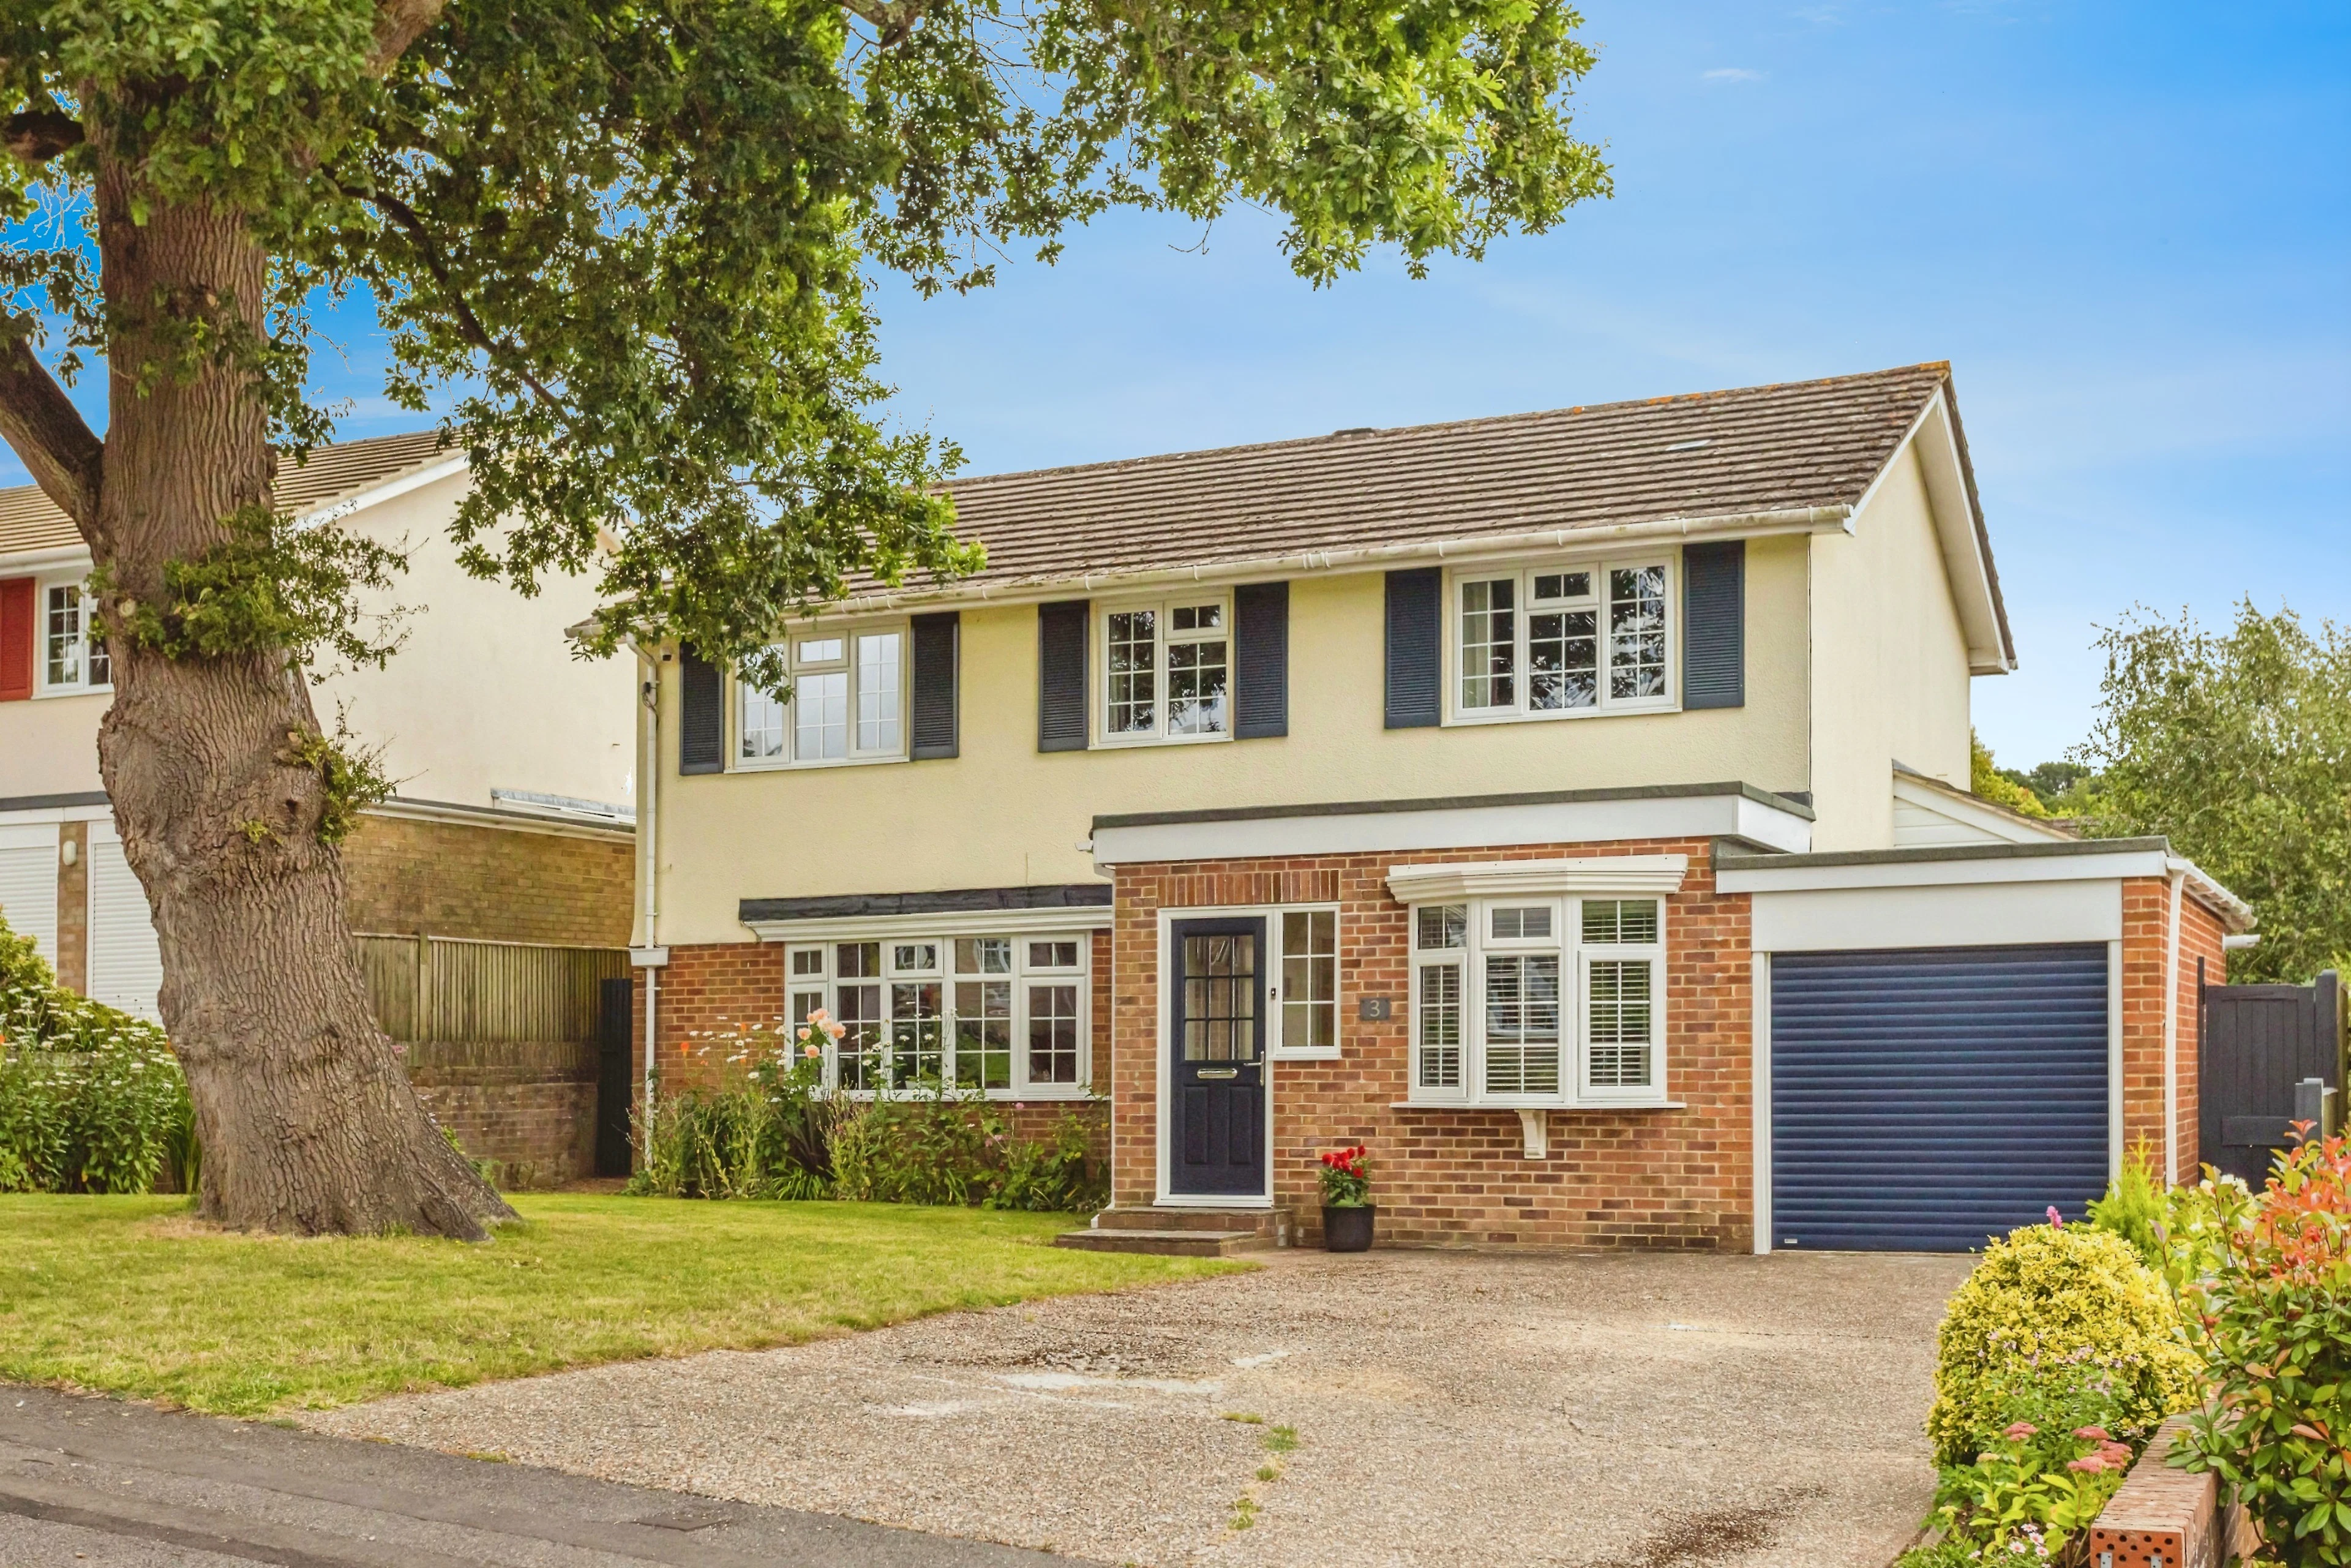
1538	1105
815	767
1132	742
1331	1053
43	693
1621	710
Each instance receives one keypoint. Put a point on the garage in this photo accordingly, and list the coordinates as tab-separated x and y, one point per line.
1923	1099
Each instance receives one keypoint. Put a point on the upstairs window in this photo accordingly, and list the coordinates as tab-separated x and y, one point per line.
1167	670
72	660
847	703
1551	641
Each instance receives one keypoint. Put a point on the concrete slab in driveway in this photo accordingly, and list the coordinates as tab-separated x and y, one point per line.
1449	1408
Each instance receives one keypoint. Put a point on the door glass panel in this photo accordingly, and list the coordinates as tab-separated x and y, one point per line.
1220	998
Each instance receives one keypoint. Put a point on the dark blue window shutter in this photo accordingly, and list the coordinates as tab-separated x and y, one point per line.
1260	660
1416	648
936	718
1714	625
702	714
1062	674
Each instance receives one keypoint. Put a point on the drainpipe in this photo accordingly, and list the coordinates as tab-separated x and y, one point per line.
2177	879
649	954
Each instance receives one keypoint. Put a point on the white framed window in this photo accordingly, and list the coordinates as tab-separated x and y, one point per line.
1557	641
70	659
847	702
1003	1016
1167	670
1526	1001
1305	999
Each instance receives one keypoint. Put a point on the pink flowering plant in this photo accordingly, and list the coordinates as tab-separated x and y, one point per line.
2032	1493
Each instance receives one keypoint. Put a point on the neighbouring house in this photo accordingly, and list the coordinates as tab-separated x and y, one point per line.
1571	807
490	894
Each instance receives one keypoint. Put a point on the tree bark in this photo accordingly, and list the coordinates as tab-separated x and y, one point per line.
308	1119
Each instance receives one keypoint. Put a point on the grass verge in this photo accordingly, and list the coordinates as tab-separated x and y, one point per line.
131	1296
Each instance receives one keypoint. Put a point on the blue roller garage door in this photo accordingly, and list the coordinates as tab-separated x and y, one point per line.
1924	1099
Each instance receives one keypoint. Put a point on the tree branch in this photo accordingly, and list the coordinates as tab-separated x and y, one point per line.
893	19
397	23
505	354
41	423
38	135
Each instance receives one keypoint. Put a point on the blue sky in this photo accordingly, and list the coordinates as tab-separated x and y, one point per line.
2125	226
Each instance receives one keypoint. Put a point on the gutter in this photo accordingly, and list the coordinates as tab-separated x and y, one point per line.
1044	585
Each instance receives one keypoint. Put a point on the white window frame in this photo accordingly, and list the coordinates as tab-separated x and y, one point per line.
1524	574
822	980
739	692
1163	633
1576	959
1277	1046
42	685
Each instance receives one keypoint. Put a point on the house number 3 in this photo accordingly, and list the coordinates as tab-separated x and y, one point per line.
1372	1010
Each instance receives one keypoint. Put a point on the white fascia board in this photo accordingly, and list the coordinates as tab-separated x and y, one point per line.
1947	802
957	923
376	495
31	562
1504	879
1466	827
1959	872
1368	558
101	813
1937	446
2234	912
1979	915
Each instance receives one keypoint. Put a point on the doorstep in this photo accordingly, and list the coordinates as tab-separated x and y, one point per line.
1172	1231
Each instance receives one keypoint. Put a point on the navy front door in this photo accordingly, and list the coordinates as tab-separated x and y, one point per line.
1215	1044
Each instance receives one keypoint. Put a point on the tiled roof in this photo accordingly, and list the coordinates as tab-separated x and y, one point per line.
1792	447
29	520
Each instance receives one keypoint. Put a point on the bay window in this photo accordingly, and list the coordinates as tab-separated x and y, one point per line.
1556	641
1167	671
1552	1001
948	1010
846	703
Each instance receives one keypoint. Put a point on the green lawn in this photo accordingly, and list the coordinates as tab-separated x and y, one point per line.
129	1295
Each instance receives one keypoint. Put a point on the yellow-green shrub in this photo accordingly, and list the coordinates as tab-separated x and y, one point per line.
2069	1304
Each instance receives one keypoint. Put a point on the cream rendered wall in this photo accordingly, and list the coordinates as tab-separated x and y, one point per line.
48	745
484	693
1889	664
1002	814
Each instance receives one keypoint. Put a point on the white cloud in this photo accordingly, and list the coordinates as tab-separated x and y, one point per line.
1733	73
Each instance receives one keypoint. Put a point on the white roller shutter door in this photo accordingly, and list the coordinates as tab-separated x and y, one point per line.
28	883
126	968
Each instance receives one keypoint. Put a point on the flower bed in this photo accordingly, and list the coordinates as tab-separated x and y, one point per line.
2069	1345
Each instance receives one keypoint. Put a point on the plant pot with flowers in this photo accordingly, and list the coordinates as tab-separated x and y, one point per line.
1348	1211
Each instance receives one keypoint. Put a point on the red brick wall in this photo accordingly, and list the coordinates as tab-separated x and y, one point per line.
1679	1177
2200	937
2146	927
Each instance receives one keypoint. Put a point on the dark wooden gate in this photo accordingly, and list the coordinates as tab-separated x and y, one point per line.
615	1054
2257	1043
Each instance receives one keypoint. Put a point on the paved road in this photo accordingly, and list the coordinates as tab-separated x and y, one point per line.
97	1483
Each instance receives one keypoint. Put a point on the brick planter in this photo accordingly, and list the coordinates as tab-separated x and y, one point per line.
2165	1517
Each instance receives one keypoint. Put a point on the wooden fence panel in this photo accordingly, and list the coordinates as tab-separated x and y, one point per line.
458	991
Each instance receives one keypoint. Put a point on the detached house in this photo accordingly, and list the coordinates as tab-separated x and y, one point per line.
503	868
1572	807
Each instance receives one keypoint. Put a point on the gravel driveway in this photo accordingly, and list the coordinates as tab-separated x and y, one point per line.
1634	1411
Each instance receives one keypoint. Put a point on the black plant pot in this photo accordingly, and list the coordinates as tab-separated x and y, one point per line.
1348	1230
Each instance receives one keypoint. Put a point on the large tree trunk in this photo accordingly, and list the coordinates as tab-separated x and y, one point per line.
309	1122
